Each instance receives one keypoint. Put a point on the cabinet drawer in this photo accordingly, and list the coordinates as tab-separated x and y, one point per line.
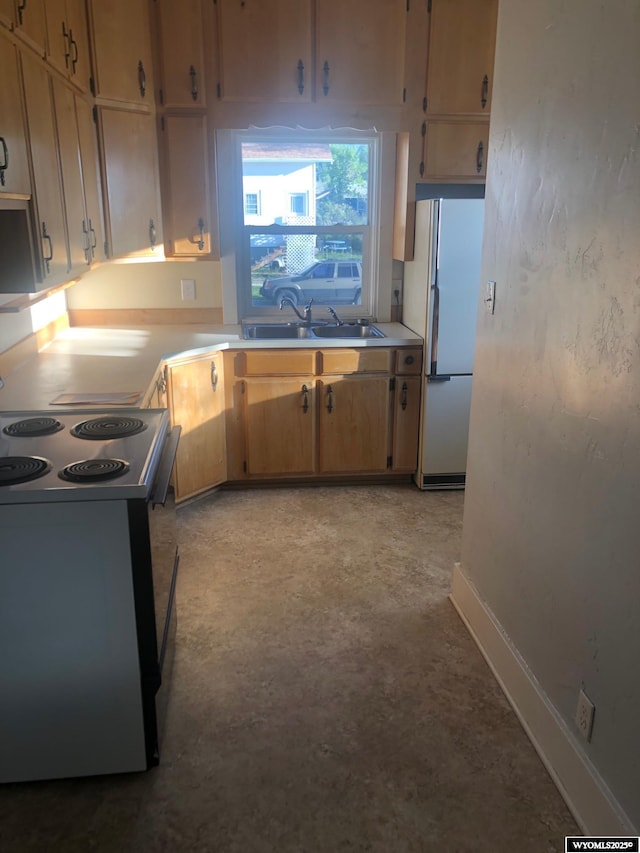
278	362
408	361
341	361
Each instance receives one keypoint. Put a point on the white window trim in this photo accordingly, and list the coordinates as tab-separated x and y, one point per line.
257	198
231	218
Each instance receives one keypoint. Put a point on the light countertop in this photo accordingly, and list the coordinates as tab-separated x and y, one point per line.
110	359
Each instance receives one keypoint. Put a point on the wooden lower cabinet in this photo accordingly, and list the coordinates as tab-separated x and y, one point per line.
280	426
354	424
196	399
406	423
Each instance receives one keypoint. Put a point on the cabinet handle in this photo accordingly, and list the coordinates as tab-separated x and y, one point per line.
74	44
86	242
201	233
305	399
403	396
153	237
300	76
142	79
329	398
5	159
47	258
22	5
94	241
325	74
67	50
484	95
214	376
194	83
479	157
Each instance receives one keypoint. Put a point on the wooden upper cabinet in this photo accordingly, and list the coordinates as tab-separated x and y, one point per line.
91	179
14	168
456	150
187	190
461	52
265	49
131	182
360	51
31	24
120	31
68	40
47	190
69	149
182	53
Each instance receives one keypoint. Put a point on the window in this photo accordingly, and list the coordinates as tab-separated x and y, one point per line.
320	227
298	204
251	204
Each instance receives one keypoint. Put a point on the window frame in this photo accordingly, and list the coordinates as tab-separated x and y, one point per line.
377	248
255	212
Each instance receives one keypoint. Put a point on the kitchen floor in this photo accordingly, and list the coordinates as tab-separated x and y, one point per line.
326	697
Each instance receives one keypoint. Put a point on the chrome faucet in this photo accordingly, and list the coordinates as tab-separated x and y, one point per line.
306	317
337	319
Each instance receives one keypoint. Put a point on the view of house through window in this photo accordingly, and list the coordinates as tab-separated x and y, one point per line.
306	220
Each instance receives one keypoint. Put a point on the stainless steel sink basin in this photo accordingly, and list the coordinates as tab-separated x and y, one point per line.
347	331
275	331
295	331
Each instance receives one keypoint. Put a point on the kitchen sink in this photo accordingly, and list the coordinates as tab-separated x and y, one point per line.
294	331
347	331
275	331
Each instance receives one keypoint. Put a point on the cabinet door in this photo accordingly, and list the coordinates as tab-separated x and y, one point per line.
47	190
129	150
31	24
265	50
90	178
77	227
406	423
7	14
14	168
182	53
196	403
120	31
456	150
461	50
354	424
187	200
58	41
360	51
79	60
280	426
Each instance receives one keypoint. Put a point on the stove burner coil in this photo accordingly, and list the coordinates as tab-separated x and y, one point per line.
33	427
93	470
21	469
98	429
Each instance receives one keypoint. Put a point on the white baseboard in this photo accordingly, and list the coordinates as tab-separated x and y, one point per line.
589	799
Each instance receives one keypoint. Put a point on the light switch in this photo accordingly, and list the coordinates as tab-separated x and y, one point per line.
188	286
490	297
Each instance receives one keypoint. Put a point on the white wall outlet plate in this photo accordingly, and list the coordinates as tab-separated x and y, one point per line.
188	288
585	713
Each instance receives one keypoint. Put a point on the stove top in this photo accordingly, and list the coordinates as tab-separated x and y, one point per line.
80	454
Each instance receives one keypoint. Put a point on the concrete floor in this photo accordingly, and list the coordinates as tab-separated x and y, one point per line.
326	697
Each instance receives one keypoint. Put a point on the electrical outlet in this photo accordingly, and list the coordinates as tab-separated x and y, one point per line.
585	713
188	287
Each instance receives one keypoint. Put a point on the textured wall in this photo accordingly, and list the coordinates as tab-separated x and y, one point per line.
552	517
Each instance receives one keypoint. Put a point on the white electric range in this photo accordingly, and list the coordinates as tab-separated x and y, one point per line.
88	569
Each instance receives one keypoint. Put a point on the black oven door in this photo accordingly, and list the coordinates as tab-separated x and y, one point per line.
155	561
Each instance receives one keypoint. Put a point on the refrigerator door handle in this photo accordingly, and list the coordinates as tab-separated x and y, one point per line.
440	377
435	320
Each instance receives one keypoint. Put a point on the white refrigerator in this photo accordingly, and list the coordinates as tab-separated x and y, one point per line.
441	295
